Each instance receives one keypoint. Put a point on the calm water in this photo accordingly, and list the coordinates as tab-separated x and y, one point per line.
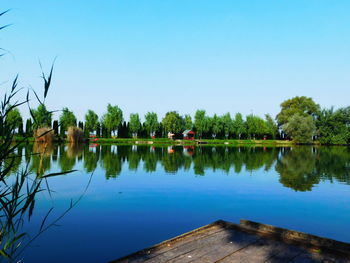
139	196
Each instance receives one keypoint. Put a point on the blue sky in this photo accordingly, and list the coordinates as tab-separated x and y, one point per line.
147	55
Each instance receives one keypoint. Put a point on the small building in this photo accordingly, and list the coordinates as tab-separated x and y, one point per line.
171	135
188	135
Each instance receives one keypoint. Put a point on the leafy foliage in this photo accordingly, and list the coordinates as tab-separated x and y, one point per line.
303	106
188	122
201	122
67	119
151	123
14	118
135	124
215	124
112	119
238	125
41	116
300	128
91	121
173	122
255	126
271	127
227	124
334	126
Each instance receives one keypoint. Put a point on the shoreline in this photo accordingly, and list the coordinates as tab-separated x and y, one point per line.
169	142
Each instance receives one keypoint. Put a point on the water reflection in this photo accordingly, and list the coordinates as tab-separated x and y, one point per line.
299	168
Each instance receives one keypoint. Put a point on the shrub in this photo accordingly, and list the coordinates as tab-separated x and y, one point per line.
44	134
75	135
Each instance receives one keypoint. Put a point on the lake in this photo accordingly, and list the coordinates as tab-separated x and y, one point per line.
131	197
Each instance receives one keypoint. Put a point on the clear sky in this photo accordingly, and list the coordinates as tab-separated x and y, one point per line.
161	55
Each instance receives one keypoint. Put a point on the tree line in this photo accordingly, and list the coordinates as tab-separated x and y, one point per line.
299	119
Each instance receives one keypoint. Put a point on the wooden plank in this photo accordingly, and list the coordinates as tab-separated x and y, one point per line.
233	241
259	251
226	242
164	246
286	254
189	247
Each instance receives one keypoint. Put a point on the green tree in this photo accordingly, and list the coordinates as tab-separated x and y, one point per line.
238	125
227	124
300	128
112	119
42	117
303	106
55	126
67	119
188	122
98	129
271	127
151	123
134	124
201	122
20	129
256	127
91	121
251	126
29	128
14	118
215	125
173	122
333	127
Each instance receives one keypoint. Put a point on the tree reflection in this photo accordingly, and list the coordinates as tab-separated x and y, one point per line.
111	161
14	160
299	168
41	158
67	158
333	162
91	158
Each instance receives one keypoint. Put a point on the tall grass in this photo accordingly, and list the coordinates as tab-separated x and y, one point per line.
18	191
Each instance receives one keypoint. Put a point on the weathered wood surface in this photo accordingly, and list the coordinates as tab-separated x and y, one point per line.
225	242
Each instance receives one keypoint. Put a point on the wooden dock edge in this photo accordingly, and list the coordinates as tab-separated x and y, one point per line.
296	237
166	243
268	231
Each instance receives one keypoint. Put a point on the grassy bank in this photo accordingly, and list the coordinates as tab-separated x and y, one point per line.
204	142
167	142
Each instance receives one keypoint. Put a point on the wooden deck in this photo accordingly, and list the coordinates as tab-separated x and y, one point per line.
247	242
